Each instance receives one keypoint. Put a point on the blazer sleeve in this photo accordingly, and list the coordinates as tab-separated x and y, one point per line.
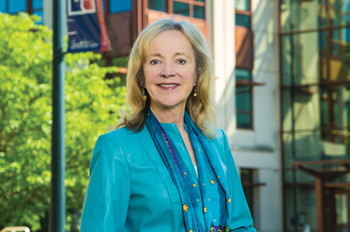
107	196
241	219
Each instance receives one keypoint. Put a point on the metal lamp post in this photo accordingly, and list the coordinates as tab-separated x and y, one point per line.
58	203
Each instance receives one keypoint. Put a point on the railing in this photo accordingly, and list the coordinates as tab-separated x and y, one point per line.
15	229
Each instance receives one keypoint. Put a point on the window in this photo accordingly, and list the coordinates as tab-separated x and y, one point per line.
2	6
242	20
181	8
244	65
247	180
242	5
117	6
38	9
159	5
250	187
34	7
243	99
188	8
244	36
243	13
16	6
198	12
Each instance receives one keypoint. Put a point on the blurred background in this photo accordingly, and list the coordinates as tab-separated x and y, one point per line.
282	88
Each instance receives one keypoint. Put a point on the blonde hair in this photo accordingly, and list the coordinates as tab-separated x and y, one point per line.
201	107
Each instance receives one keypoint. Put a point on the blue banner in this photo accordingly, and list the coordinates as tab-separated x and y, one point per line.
86	26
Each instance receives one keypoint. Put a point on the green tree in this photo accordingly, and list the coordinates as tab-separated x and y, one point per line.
92	105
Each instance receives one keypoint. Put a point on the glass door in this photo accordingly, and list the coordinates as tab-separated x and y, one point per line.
340	205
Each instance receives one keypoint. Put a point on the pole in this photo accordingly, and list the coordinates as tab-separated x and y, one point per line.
58	202
319	203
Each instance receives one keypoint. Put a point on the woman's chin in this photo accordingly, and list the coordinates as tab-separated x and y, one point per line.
168	104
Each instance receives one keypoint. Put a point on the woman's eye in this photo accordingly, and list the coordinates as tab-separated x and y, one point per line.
182	61
154	62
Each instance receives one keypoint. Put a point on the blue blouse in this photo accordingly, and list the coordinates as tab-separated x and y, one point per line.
130	189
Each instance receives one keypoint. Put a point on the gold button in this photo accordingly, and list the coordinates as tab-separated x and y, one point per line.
194	185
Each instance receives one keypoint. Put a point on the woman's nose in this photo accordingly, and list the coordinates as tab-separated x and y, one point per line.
167	70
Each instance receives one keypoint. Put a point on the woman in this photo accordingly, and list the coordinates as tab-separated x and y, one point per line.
167	169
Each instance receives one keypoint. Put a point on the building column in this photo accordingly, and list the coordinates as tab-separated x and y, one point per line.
319	203
222	44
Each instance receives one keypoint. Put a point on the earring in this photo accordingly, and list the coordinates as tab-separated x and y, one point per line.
144	96
194	89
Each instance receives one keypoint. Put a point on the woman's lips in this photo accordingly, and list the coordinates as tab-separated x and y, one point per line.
168	86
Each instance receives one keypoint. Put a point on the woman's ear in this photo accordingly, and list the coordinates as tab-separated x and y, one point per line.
140	77
195	80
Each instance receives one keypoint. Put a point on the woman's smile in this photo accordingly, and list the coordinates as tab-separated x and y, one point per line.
168	86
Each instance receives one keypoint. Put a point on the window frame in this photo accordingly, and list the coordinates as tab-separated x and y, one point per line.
252	185
7	8
170	10
331	128
246	13
248	184
32	10
108	8
249	7
244	83
247	83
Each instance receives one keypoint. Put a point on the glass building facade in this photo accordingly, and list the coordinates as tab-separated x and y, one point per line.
315	113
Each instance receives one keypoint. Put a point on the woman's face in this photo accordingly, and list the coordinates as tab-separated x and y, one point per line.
169	70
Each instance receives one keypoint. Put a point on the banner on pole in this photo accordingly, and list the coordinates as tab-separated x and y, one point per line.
86	26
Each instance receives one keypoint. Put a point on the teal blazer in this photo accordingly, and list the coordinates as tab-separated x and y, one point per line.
130	189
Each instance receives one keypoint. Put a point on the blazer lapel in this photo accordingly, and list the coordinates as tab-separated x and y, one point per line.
147	142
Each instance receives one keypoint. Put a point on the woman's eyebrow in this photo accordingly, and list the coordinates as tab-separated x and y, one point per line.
175	54
155	54
181	54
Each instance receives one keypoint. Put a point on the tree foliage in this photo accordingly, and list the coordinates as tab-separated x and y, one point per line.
92	104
